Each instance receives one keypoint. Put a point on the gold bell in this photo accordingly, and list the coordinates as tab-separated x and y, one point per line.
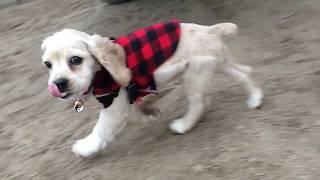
78	105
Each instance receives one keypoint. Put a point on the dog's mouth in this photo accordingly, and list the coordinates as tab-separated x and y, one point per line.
55	92
66	95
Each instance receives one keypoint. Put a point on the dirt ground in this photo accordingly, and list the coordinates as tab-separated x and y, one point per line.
279	38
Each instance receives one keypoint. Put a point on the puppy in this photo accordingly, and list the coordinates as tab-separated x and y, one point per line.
120	72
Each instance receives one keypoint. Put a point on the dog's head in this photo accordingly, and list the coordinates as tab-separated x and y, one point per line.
73	57
71	66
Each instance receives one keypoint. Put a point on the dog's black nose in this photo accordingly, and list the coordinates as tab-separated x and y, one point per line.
62	84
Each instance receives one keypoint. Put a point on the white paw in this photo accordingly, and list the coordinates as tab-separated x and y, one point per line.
178	126
150	114
150	118
255	100
88	146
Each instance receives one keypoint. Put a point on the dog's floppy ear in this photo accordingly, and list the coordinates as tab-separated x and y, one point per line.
111	56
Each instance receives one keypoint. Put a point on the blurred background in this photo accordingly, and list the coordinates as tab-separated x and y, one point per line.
278	38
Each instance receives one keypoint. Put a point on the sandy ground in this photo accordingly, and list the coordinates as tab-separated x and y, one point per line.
279	38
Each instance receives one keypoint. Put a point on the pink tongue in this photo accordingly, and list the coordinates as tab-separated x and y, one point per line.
54	91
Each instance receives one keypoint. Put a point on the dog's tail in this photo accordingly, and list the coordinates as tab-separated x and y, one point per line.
224	30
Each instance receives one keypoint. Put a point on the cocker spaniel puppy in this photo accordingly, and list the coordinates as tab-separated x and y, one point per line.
119	72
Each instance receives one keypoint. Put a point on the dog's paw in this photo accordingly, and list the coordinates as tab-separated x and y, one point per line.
255	100
88	146
179	126
150	114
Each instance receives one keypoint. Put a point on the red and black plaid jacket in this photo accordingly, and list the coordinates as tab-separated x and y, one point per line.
146	49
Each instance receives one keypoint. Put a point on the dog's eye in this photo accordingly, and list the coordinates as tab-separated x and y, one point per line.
48	64
75	60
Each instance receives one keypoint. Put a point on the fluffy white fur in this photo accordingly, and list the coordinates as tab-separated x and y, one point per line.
201	53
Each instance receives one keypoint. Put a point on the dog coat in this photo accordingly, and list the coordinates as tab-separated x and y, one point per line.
145	49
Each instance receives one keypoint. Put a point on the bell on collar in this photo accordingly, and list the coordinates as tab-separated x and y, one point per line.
78	105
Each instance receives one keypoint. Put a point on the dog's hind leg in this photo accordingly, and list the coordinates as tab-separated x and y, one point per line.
197	76
242	74
242	68
169	71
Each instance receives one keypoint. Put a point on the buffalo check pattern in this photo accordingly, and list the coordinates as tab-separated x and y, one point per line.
146	49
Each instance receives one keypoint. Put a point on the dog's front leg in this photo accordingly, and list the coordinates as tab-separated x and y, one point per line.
111	121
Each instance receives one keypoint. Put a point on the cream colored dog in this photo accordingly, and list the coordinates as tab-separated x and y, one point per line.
71	57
